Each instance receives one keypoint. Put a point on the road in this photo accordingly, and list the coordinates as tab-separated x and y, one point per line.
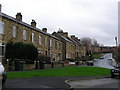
105	63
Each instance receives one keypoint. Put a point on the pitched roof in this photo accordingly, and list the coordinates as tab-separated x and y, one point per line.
27	25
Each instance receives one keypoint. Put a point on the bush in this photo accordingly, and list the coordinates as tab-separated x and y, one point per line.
19	50
44	58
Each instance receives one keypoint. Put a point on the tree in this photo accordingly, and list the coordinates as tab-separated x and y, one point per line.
86	41
20	50
94	42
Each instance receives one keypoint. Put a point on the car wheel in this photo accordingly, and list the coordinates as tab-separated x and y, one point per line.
4	79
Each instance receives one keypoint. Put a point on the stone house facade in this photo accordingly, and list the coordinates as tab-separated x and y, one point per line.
15	30
58	45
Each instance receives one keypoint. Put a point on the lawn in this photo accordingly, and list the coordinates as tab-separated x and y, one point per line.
66	71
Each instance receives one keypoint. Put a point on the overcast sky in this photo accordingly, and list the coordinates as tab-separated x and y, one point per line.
96	19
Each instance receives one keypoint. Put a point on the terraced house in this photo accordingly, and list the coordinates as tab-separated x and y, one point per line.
71	47
15	30
58	45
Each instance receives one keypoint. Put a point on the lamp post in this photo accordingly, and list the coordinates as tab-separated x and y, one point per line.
116	41
116	50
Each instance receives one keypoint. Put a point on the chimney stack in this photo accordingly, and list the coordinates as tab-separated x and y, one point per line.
72	36
65	34
44	29
19	16
33	23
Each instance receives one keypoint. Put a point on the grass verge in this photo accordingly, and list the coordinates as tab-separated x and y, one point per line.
66	71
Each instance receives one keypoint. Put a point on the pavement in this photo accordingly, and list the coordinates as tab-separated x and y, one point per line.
93	83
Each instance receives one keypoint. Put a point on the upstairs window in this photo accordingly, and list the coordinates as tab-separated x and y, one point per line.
55	44
50	43
24	35
1	27
14	30
40	39
33	37
46	41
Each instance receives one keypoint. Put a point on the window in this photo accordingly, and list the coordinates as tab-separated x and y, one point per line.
50	43
51	55
33	37
40	52
1	27
14	28
55	44
24	34
46	41
59	45
46	53
59	56
40	39
2	47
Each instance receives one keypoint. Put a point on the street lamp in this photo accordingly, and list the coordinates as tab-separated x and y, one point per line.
116	41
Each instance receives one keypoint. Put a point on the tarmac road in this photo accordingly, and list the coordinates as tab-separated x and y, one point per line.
105	63
42	82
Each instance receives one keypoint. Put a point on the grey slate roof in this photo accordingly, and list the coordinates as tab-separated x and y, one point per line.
27	25
65	38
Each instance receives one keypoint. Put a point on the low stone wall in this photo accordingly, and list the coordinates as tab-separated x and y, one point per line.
29	66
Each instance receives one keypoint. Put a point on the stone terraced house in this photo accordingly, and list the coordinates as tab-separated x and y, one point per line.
57	45
15	30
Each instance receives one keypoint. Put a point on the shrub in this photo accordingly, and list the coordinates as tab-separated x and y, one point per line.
43	58
19	50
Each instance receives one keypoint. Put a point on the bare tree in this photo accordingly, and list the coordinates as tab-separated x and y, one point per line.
86	41
94	42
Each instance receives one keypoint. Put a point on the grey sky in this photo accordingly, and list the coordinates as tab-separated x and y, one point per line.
85	18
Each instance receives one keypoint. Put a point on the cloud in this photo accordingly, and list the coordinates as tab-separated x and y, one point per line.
93	18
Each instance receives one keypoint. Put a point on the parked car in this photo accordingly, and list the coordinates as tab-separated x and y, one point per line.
116	71
110	59
101	57
3	74
90	63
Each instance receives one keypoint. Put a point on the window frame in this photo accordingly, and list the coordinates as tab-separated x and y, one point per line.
2	24
24	34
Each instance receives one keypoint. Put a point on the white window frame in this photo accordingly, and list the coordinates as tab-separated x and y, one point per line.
2	24
24	34
33	35
51	42
46	41
40	39
14	30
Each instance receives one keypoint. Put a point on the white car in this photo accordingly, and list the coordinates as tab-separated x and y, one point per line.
3	74
110	58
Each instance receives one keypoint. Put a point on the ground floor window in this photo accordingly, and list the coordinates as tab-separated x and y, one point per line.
2	49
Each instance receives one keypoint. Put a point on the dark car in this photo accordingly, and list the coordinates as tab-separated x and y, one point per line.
116	71
90	63
3	74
